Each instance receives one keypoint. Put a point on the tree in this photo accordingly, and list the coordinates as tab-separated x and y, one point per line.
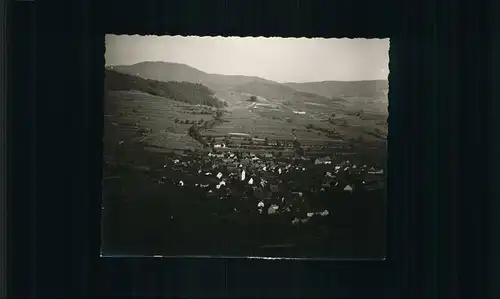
331	119
300	151
193	132
218	114
296	144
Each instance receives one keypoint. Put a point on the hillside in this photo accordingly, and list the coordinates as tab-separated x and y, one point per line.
266	90
280	93
167	71
348	97
375	88
191	93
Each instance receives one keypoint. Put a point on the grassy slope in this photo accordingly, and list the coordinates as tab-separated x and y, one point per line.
352	95
339	89
179	91
126	109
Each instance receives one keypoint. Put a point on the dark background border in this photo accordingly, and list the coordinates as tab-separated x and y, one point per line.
440	99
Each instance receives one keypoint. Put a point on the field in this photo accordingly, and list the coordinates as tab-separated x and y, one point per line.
130	112
283	123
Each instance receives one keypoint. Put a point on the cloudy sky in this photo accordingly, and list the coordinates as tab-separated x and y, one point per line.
277	59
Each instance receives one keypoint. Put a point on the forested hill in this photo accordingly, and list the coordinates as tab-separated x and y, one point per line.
191	93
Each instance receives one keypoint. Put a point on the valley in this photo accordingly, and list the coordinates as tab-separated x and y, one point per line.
290	168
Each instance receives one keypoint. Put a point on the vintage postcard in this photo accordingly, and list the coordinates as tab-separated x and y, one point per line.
245	147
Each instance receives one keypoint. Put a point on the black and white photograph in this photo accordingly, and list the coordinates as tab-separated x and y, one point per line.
245	147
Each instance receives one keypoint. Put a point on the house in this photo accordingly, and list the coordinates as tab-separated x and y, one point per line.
324	160
324	213
380	171
272	209
268	155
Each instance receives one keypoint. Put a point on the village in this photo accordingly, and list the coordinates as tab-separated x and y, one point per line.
287	184
265	183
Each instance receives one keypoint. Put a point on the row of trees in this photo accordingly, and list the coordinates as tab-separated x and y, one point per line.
252	99
199	112
218	114
195	130
328	132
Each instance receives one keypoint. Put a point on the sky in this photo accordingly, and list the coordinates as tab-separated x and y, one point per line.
277	59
